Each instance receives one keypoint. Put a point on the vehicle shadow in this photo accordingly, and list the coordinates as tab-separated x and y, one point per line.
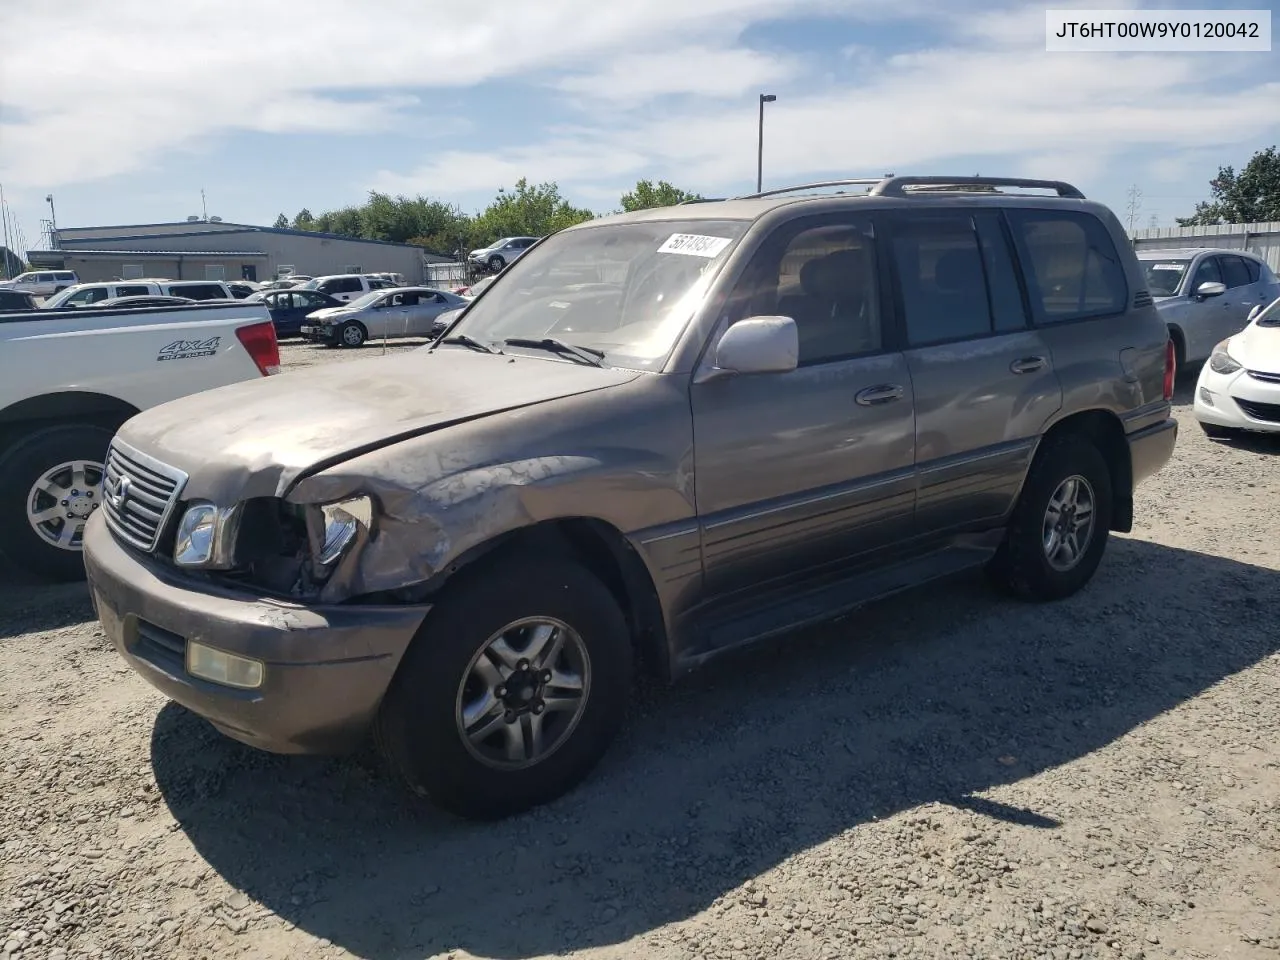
31	605
721	778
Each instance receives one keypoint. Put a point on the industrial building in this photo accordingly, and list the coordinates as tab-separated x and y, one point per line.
215	250
1262	239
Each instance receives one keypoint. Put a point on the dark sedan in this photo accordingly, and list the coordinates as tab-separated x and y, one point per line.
288	308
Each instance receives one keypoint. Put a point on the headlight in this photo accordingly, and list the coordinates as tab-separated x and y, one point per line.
1220	361
196	533
342	521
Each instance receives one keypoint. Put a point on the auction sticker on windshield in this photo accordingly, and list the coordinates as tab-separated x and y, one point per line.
693	245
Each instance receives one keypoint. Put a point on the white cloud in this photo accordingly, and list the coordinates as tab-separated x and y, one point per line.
699	70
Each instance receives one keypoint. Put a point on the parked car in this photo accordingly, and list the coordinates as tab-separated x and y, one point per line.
759	414
289	308
242	288
1205	294
41	283
284	283
1239	388
345	287
476	288
395	279
501	253
16	300
404	312
87	294
69	379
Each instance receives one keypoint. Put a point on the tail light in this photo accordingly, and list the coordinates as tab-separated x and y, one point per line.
259	341
1170	368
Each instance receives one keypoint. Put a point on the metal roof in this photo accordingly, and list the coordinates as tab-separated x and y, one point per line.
218	227
126	254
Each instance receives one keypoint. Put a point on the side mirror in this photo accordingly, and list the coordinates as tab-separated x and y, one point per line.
1253	314
758	345
1210	289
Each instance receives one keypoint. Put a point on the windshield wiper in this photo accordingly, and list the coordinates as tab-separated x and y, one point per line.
585	354
472	342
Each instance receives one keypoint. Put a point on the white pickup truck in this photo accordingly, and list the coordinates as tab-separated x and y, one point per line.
70	378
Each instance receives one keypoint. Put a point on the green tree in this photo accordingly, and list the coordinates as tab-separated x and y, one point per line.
647	194
1251	196
304	220
282	222
527	210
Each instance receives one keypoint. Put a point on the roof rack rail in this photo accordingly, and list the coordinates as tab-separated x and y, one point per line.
857	182
700	200
895	186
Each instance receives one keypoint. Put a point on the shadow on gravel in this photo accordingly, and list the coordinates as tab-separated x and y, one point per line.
29	606
933	696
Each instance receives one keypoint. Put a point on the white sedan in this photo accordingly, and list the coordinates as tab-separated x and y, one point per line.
1239	388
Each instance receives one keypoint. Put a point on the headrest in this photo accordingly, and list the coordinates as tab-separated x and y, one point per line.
837	275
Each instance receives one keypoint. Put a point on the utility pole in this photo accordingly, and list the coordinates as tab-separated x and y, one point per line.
1154	222
4	219
1134	206
53	224
764	98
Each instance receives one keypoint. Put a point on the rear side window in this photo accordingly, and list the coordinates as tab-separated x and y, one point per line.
132	291
1234	272
1254	268
198	291
941	280
1072	269
349	285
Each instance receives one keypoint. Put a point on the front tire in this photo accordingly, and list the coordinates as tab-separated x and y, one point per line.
50	484
512	691
352	334
1059	529
496	263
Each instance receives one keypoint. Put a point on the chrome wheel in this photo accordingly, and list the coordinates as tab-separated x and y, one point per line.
352	335
523	693
1068	523
62	500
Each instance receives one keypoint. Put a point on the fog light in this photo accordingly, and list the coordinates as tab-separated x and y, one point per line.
227	669
194	543
1206	396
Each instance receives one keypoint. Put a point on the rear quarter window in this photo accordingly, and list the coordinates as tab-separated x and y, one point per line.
198	291
1072	268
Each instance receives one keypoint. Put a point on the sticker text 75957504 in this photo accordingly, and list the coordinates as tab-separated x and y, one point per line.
693	245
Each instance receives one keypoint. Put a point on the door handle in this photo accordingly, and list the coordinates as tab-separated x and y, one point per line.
1028	364
884	393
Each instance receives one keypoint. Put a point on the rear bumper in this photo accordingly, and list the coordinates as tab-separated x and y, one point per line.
1151	448
326	667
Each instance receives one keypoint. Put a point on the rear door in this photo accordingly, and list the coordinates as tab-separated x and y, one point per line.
1240	297
983	377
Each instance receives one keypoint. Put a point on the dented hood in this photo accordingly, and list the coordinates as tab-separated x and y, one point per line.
257	438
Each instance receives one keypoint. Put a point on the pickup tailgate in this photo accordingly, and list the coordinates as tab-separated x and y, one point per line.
144	357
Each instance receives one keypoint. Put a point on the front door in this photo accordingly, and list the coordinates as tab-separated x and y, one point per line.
797	470
1242	294
984	379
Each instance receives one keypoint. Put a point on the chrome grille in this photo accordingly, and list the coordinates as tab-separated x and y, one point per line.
138	494
1265	377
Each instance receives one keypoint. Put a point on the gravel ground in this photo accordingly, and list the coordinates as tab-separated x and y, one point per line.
972	777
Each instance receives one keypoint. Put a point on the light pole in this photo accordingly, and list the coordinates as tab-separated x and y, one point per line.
53	221
764	98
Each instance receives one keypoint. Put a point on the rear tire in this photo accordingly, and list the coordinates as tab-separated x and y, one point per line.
1031	563
34	460
434	699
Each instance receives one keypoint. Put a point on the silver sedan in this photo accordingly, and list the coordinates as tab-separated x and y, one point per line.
402	312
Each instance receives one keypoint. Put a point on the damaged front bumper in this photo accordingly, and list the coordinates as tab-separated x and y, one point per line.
325	666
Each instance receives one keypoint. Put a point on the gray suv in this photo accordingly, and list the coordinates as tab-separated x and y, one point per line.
657	437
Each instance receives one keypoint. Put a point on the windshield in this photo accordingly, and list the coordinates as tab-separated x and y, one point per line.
1164	275
368	300
625	289
58	299
1270	315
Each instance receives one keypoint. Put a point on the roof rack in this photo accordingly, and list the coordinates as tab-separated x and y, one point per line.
891	185
821	184
700	200
895	186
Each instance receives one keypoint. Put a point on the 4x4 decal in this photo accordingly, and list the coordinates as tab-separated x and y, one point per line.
186	349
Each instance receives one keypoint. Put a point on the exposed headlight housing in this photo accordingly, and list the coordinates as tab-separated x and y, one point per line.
341	523
206	536
1220	361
